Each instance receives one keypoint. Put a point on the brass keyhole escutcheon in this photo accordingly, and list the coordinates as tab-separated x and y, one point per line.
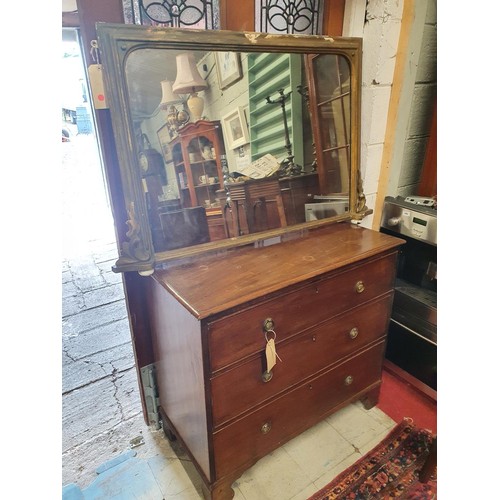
360	287
268	325
267	376
265	428
349	380
353	333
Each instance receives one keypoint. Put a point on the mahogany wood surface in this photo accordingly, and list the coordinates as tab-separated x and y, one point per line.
242	387
179	369
286	418
207	321
216	283
239	335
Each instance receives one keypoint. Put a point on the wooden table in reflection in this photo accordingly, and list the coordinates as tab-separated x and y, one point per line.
261	204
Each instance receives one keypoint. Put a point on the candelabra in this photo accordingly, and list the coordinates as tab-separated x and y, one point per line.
288	167
304	92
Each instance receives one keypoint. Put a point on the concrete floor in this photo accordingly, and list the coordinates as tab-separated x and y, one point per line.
101	409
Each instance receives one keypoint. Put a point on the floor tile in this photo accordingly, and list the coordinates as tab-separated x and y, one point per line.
276	476
359	427
373	442
378	415
329	476
305	493
318	450
172	479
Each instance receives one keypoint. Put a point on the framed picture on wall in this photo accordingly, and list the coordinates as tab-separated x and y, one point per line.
164	139
235	128
228	68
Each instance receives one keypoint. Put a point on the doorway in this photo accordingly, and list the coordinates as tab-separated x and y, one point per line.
86	212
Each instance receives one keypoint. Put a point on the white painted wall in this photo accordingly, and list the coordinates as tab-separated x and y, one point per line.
378	22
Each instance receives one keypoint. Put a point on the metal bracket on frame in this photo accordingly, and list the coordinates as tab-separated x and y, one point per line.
150	389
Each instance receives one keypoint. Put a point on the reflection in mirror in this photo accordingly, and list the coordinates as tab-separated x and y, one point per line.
332	92
234	143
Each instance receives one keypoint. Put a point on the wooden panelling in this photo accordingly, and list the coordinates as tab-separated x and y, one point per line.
333	17
428	179
237	16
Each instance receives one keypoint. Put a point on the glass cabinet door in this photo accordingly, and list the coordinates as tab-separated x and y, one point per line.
181	175
332	97
203	165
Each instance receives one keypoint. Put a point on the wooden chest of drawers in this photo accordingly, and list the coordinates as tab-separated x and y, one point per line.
329	296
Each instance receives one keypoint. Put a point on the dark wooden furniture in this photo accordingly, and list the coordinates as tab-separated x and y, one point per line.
196	153
329	296
262	204
296	192
185	227
428	470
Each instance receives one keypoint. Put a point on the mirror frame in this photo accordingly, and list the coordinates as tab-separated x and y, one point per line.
116	42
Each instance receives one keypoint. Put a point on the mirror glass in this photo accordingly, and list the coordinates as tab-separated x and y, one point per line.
226	139
232	143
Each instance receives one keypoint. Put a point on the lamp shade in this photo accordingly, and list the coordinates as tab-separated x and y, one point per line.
188	78
168	96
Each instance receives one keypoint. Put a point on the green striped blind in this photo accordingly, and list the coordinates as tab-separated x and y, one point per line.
267	73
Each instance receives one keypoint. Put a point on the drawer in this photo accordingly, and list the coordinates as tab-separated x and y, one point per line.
241	334
272	425
242	387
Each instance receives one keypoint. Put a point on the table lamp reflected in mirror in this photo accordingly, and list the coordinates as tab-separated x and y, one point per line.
189	81
176	118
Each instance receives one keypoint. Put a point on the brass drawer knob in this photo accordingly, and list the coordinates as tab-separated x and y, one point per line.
265	428
353	333
267	376
349	380
360	287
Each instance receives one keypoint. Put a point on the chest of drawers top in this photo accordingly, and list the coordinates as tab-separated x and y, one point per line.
214	284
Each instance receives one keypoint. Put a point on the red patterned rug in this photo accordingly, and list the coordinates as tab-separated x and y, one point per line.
390	470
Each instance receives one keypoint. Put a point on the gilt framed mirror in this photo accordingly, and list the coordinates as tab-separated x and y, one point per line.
188	186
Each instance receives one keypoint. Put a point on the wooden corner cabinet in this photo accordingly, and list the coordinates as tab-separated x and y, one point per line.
196	153
324	298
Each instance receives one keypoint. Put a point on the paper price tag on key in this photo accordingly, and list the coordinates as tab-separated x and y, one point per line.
271	355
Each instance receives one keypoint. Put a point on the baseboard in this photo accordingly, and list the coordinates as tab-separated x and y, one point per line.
417	384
